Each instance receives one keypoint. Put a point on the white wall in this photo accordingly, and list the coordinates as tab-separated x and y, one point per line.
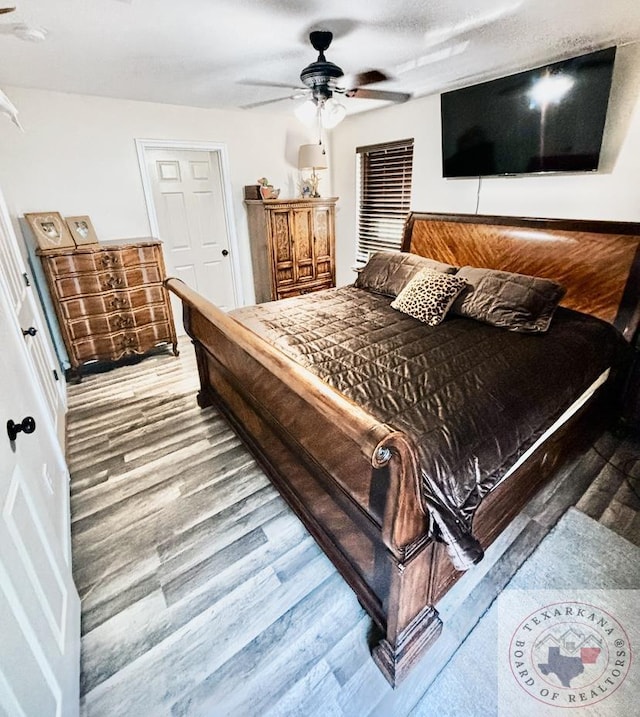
612	193
78	156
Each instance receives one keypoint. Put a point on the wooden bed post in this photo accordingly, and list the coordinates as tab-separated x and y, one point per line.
204	397
412	624
407	638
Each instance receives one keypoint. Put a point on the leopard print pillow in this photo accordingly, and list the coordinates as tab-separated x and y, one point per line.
429	295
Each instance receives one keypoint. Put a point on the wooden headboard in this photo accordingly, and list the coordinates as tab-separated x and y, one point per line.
597	262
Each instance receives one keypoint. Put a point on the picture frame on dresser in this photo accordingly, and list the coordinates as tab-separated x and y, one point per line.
50	230
82	230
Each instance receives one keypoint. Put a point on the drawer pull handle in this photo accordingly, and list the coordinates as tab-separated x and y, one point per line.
124	322
118	303
113	282
128	344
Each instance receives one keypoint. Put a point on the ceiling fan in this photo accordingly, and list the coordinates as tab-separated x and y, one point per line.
321	79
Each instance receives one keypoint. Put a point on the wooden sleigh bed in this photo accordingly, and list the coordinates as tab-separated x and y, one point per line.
353	479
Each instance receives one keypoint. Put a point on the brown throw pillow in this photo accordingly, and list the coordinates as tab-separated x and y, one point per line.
428	296
516	302
387	272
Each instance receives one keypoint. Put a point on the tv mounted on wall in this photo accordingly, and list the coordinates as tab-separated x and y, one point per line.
550	119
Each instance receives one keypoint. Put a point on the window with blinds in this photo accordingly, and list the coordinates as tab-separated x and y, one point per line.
384	195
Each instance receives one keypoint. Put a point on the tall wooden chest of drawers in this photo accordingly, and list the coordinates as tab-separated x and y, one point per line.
292	246
110	300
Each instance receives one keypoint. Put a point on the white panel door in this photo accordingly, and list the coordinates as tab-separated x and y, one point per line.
23	305
39	605
189	202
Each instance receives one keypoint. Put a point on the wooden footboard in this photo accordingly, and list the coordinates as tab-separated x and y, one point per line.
352	480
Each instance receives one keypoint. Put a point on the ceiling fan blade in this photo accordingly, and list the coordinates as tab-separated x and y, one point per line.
370	77
251	105
5	10
260	83
363	94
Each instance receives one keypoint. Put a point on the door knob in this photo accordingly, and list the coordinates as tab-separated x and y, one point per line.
28	425
225	252
31	331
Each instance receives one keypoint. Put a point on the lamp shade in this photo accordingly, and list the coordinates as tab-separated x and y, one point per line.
312	156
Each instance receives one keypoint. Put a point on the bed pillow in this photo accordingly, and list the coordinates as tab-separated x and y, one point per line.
428	296
516	302
388	272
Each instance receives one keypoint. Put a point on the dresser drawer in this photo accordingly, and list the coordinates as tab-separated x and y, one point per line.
113	301
114	322
79	284
123	343
84	263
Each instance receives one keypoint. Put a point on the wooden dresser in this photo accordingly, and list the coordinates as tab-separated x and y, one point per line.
110	300
292	246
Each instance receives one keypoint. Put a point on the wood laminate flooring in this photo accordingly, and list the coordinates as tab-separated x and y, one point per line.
202	594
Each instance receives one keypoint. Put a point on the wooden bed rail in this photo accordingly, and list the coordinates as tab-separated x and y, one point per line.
359	425
405	524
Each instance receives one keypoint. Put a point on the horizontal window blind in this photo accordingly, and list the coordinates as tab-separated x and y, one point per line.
384	195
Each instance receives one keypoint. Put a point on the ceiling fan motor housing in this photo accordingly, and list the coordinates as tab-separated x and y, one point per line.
319	75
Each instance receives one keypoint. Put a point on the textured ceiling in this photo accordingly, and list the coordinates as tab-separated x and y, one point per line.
203	52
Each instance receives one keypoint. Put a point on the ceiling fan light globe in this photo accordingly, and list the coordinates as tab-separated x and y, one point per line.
307	113
333	112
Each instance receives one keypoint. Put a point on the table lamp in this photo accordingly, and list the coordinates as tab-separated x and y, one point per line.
313	157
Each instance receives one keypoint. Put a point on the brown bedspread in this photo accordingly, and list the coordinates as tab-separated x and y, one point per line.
472	396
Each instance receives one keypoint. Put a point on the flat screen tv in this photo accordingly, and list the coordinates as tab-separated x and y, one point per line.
550	119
